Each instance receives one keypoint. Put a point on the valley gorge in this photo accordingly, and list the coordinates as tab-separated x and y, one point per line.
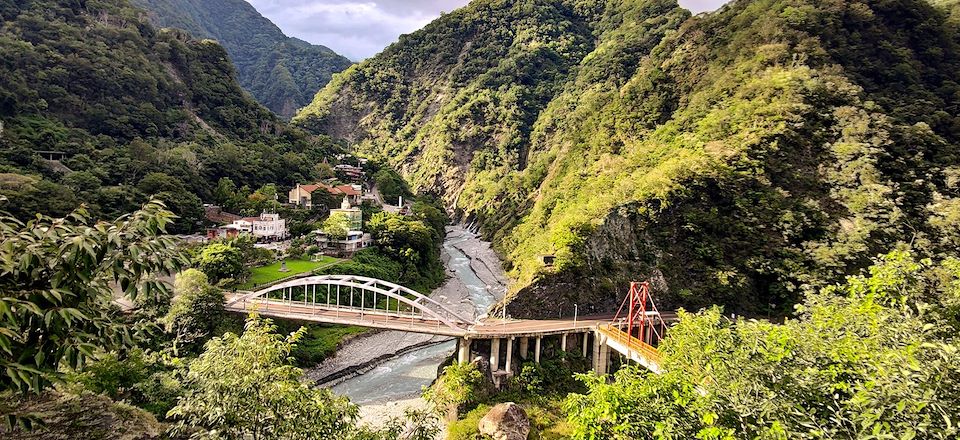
540	219
628	140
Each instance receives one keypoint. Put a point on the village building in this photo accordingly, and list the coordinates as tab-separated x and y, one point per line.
302	195
265	227
353	242
355	238
354	214
351	172
216	214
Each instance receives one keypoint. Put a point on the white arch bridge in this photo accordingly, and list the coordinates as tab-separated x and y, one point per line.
369	302
353	300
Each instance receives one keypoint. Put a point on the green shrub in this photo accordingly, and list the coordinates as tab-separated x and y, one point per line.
460	386
113	374
467	428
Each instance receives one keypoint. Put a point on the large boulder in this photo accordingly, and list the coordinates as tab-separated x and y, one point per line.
506	421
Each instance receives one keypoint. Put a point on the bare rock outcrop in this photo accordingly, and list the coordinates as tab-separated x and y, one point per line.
506	421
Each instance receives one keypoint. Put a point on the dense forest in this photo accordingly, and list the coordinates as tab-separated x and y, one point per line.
282	73
797	160
739	157
136	111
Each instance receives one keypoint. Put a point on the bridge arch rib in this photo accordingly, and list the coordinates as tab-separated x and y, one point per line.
416	302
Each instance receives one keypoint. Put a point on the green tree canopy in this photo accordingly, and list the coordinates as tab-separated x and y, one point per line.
58	283
405	238
197	309
874	358
244	387
336	226
220	261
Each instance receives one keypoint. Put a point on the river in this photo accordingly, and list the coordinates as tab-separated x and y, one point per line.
387	387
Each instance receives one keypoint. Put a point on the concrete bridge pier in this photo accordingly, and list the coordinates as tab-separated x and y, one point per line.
536	349
463	350
494	354
601	354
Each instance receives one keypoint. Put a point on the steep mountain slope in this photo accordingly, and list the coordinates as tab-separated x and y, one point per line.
467	89
732	158
133	110
953	6
282	73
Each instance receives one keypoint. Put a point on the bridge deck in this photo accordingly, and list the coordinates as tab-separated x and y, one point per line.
631	347
347	316
487	329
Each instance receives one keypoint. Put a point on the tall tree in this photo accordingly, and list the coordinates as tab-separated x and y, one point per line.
197	309
58	278
336	226
220	261
244	387
874	358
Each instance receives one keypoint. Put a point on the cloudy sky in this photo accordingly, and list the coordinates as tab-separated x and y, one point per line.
360	28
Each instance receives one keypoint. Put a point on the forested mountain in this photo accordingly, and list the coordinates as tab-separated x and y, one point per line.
953	6
281	72
135	111
735	157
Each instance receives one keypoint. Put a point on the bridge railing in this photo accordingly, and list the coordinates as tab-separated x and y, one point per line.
408	312
354	293
644	350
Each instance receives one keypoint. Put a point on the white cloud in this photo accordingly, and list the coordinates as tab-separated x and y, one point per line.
360	29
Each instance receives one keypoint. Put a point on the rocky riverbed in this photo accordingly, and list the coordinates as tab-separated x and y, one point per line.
384	371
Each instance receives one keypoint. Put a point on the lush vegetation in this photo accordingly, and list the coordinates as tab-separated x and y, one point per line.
243	387
733	158
464	395
195	311
56	309
137	112
73	362
874	358
269	273
282	73
407	250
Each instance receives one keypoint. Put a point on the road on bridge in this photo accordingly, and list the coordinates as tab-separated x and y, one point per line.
490	328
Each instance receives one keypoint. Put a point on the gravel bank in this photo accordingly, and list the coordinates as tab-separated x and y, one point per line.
367	351
453	293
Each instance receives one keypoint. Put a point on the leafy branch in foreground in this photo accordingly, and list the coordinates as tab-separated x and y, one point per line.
58	280
244	386
874	358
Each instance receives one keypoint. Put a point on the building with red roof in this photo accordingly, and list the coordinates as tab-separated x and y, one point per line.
302	195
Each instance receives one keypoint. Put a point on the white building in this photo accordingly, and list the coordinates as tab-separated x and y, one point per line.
355	215
267	226
354	241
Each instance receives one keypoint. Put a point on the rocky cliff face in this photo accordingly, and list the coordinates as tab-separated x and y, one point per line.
735	157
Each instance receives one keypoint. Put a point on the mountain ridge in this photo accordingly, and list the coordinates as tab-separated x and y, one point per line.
736	157
281	72
132	111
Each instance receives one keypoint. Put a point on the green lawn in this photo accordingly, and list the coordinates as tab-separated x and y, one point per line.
266	274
